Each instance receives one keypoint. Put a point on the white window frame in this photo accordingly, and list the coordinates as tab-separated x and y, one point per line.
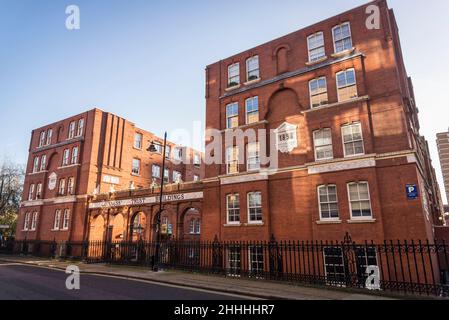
311	95
196	178
192	226
138	142
26	221
74	158
43	164
178	153
66	157
72	130
237	270
49	136
198	226
247	113
309	49
328	202
177	176
360	200
166	175
350	36
80	129
39	191
153	168
315	146
235	209
197	160
31	192
344	143
71	186
231	160
257	156
61	187
66	219
34	221
134	161
57	220
258	273
234	77
42	139
346	85
232	116
251	221
248	71
36	164
167	152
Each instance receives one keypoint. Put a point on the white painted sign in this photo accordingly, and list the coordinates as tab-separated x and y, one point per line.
52	179
286	137
146	200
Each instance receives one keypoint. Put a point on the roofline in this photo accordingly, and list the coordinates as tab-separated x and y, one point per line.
298	30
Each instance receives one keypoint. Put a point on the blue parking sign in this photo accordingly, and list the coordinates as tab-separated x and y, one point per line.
412	192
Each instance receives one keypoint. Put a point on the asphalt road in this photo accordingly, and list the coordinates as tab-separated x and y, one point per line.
20	282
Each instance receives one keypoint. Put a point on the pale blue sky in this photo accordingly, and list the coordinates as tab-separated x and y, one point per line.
144	60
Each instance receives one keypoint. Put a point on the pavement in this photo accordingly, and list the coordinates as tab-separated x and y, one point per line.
35	270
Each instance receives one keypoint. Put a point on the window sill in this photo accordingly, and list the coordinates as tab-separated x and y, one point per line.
361	221
135	175
354	155
336	104
311	63
69	166
343	53
323	160
245	126
249	82
36	173
139	149
230	225
233	88
254	224
324	222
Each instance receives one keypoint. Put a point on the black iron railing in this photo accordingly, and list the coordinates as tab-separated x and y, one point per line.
409	267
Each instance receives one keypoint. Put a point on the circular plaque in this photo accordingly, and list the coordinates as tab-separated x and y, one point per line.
52	179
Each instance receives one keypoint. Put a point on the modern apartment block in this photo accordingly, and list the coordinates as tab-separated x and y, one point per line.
350	155
443	150
92	153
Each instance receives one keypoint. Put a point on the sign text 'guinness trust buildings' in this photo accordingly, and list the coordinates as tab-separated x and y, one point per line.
314	135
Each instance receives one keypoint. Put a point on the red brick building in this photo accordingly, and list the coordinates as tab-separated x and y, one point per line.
92	153
340	94
337	101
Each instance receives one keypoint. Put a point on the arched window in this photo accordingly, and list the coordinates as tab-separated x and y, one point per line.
282	60
198	226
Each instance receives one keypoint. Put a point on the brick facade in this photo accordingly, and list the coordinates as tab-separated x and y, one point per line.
106	149
374	156
394	155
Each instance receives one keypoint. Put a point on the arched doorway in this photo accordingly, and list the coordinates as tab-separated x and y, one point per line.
191	225
168	225
97	229
118	228
96	237
138	227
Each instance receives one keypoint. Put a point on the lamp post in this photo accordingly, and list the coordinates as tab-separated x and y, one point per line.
152	148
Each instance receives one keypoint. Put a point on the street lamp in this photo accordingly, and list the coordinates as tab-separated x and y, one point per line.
152	148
